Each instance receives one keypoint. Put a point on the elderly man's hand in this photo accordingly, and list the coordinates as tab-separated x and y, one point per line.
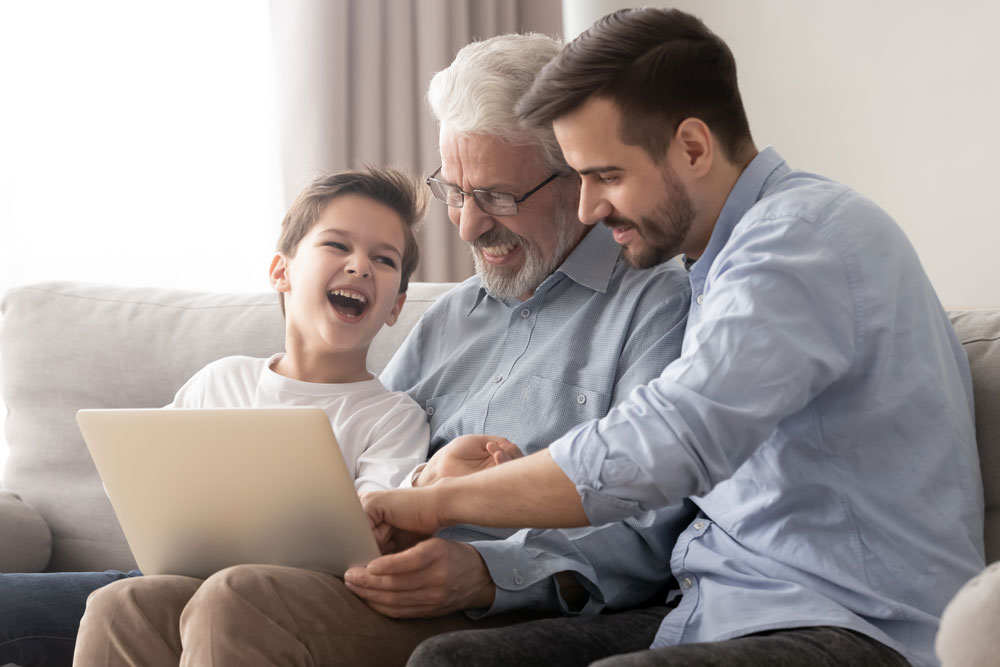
465	455
433	578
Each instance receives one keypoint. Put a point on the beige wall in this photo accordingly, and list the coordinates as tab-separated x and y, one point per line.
898	98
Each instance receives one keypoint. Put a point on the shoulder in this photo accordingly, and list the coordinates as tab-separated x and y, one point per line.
833	210
234	366
664	286
375	397
459	299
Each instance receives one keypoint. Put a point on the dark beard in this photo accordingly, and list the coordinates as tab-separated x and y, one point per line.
662	234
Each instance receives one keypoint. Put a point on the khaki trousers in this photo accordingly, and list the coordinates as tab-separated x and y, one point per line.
250	615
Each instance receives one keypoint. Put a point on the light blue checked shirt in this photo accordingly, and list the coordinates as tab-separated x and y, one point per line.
820	414
593	331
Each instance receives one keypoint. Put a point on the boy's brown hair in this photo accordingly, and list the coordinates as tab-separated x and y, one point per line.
385	185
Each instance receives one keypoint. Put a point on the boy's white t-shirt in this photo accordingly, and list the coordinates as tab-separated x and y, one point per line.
383	434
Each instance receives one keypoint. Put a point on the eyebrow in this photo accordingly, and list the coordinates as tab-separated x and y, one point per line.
381	246
598	170
506	188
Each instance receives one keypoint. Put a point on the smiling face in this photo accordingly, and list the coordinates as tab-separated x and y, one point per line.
513	254
340	287
646	204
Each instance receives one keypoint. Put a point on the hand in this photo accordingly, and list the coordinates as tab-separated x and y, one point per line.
400	518
465	455
433	578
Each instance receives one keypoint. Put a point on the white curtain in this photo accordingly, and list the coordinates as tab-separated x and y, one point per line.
351	79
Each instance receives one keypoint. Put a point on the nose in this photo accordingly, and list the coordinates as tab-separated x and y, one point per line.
470	220
594	207
359	265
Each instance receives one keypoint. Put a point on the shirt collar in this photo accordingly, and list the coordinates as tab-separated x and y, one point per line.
747	191
591	264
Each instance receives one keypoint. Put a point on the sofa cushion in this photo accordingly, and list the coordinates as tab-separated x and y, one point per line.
27	541
67	346
979	332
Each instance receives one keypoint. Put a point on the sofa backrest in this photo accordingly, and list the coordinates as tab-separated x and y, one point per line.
66	346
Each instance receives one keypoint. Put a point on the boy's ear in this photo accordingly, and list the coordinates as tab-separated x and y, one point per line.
279	273
394	313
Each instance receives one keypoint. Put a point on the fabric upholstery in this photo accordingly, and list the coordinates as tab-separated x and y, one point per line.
67	346
979	332
27	541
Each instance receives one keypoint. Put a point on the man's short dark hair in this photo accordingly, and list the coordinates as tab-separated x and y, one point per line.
659	67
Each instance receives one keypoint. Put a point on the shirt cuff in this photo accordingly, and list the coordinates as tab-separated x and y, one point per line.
521	582
408	480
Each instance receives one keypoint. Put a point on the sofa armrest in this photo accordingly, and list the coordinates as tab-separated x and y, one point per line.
27	541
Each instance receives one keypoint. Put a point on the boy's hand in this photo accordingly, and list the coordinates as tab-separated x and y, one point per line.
465	455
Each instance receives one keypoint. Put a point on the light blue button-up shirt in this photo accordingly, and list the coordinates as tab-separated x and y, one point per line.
593	331
820	416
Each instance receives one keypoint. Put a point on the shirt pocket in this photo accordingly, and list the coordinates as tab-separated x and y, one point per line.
550	408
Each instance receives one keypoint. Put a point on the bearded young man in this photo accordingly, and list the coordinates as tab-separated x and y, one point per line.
820	396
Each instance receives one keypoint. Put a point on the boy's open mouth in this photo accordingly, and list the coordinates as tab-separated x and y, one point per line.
348	302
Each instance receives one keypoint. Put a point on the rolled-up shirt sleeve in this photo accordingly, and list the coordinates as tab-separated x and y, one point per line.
523	565
777	326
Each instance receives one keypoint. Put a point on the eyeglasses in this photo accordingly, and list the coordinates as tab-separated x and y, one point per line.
494	203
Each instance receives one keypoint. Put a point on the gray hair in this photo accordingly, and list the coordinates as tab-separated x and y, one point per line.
478	92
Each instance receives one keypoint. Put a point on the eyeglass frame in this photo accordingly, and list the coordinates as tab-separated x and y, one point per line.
492	193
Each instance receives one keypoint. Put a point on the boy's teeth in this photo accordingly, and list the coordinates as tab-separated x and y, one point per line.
499	249
350	294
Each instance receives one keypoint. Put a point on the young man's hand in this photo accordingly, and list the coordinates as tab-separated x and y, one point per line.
465	455
400	518
433	578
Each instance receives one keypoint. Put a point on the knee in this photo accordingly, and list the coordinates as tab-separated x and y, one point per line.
967	636
125	593
447	650
227	589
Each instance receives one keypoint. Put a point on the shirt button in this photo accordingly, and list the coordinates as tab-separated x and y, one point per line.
525	312
699	525
700	299
518	579
430	410
497	378
581	399
686	583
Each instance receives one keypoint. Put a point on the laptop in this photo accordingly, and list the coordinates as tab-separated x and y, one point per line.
196	491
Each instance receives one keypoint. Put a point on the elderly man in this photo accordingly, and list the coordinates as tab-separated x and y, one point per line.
553	330
821	394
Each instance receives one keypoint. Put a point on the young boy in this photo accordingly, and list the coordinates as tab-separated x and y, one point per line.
343	262
346	252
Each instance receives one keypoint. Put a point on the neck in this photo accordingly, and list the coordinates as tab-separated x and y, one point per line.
716	188
329	368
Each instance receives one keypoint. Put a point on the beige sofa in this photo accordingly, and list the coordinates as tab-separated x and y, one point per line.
65	346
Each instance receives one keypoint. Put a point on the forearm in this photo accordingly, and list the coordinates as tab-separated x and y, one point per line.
530	492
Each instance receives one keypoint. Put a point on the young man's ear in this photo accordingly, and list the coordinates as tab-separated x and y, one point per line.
693	148
279	273
394	313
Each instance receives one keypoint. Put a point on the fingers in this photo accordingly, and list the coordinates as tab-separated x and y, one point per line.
503	450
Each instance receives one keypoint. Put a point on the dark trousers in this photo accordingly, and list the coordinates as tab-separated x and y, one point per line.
622	640
40	614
